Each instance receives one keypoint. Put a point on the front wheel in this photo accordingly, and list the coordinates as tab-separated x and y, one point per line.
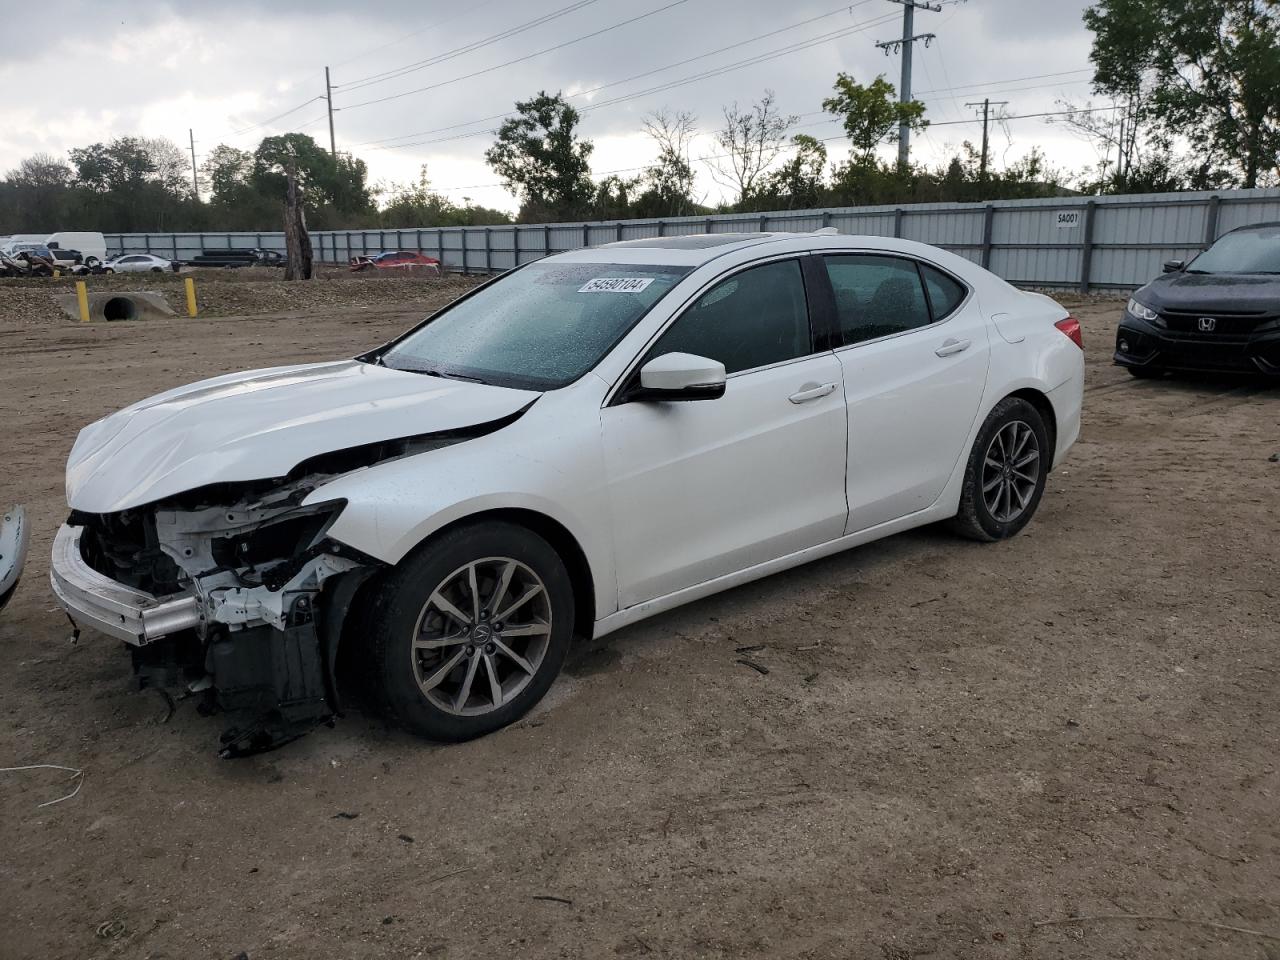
1006	472
470	631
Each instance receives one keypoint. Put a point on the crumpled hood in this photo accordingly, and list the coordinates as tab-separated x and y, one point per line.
259	425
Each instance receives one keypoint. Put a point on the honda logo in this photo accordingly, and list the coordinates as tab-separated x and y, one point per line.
1207	324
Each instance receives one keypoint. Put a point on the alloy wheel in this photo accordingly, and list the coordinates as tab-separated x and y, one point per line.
481	636
1010	471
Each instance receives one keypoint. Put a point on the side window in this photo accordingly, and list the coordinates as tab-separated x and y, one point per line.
945	293
876	296
752	319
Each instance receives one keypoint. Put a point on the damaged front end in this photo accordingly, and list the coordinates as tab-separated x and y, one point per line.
232	592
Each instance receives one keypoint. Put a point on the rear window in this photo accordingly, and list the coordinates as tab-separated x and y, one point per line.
945	293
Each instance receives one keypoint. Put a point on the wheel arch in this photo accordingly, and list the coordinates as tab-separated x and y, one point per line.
1044	406
556	534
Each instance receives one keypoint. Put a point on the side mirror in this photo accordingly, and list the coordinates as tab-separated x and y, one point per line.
1173	266
680	376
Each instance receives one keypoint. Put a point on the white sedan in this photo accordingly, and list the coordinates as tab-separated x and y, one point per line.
579	444
137	263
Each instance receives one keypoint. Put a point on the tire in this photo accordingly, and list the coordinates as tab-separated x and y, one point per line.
426	689
1146	373
91	262
157	269
109	270
1014	424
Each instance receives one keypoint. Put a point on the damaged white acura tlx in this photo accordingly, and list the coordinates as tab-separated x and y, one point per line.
583	442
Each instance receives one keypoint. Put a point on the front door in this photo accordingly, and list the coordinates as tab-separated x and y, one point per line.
705	488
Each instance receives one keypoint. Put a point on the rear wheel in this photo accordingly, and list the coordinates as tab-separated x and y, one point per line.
470	631
1006	473
157	269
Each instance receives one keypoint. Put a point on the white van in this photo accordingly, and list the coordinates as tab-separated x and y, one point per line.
92	246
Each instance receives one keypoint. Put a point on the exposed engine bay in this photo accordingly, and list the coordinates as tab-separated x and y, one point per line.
250	595
258	567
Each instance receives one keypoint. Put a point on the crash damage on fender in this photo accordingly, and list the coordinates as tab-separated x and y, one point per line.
224	584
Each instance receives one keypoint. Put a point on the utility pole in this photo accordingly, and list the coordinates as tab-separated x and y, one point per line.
904	45
195	183
328	95
986	105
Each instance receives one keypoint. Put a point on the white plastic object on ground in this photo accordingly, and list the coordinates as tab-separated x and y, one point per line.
14	535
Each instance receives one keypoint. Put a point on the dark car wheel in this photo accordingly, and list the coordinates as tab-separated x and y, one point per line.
470	631
1006	472
157	269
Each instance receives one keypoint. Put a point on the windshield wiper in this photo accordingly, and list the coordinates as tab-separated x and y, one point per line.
443	375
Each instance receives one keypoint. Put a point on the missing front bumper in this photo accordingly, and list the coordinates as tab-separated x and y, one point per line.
112	608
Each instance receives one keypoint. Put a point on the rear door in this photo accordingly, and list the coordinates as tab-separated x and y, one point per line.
705	488
913	349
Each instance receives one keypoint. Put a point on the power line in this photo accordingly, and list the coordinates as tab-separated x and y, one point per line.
988	83
648	73
508	63
408	68
714	72
279	116
434	25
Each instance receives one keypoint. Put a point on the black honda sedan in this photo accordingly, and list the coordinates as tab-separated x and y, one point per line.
1219	312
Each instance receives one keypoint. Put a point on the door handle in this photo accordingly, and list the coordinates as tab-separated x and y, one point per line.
951	347
808	393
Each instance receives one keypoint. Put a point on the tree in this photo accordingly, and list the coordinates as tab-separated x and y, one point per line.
120	165
38	191
799	181
418	205
542	161
669	190
227	172
752	140
1212	68
871	114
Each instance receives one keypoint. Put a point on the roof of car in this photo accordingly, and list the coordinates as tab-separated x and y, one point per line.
1267	225
694	250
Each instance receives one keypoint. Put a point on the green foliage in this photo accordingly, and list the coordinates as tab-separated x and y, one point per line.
542	161
1204	70
417	205
871	114
799	181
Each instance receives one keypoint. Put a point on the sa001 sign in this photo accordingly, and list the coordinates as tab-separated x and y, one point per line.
1066	219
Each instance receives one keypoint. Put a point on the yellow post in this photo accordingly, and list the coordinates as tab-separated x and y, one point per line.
191	297
57	274
82	297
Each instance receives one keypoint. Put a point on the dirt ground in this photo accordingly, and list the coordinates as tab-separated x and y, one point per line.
954	742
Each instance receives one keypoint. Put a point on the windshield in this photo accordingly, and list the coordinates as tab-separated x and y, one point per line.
539	327
1248	251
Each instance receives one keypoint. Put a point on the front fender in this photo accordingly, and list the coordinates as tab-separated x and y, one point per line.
549	462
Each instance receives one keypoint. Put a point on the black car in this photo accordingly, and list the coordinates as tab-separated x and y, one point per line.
1220	312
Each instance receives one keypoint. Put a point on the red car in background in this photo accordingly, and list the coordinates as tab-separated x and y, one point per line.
406	260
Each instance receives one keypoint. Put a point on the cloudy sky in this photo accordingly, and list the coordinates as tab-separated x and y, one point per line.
420	83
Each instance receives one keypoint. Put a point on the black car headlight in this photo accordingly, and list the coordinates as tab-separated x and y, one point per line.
1140	310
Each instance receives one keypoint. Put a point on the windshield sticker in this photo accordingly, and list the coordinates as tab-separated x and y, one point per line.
615	285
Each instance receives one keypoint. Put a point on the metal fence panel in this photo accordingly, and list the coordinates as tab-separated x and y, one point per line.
1078	242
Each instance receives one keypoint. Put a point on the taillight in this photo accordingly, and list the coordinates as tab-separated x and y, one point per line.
1071	327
